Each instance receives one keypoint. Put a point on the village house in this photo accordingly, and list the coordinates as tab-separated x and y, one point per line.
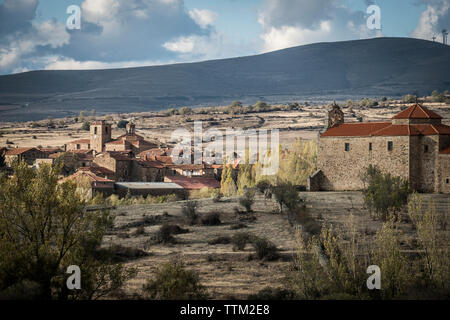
414	145
29	155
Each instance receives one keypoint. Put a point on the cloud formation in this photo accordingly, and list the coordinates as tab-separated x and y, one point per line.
433	20
288	23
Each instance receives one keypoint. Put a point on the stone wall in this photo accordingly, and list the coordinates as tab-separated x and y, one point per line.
343	170
443	181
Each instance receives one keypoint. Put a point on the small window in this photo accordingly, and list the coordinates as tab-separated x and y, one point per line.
106	129
447	181
390	145
78	147
95	130
347	147
370	146
425	148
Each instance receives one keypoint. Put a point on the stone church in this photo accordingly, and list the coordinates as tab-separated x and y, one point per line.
414	145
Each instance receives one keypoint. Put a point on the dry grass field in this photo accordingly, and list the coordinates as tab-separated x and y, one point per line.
229	274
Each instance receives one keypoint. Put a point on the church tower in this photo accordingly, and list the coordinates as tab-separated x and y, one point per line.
335	116
100	134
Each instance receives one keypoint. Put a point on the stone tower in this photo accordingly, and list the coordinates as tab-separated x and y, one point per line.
335	116
100	134
130	128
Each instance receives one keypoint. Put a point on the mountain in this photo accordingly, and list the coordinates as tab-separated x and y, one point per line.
338	70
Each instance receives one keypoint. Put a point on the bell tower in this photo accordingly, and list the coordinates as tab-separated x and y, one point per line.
100	134
130	128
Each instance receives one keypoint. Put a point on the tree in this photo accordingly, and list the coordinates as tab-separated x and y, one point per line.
68	162
286	194
86	126
227	184
437	97
247	200
2	161
122	124
409	98
43	230
384	193
174	282
246	177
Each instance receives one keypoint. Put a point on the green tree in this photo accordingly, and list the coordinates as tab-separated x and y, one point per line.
86	126
384	193
174	282
43	230
227	184
287	195
122	124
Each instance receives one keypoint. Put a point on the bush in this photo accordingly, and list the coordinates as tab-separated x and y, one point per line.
166	232
139	231
220	240
265	250
189	210
173	282
247	200
263	185
86	126
286	194
211	219
122	124
384	193
240	240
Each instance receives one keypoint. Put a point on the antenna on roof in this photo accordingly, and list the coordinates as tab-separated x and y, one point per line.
444	36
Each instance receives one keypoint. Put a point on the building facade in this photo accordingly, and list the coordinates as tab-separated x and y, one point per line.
414	145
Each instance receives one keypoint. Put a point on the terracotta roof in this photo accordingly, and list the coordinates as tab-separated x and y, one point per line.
385	129
446	150
50	150
355	129
150	164
194	183
417	111
17	151
97	170
116	142
90	175
80	141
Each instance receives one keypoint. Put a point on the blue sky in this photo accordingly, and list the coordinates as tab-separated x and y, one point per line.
125	33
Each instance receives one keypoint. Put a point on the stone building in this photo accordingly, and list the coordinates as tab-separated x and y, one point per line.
29	155
414	145
101	140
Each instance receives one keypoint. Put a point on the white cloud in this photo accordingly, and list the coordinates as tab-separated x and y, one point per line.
298	22
203	18
435	18
63	63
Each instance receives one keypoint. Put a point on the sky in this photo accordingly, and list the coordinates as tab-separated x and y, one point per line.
131	33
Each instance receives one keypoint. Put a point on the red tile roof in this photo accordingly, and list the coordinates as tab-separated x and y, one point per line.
92	177
446	150
417	111
17	151
355	129
385	129
97	170
194	183
80	141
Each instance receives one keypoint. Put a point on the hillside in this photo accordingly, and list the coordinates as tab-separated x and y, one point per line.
378	67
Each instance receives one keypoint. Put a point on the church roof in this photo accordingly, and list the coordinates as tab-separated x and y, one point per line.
417	111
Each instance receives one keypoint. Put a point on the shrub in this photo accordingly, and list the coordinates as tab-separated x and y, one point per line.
86	126
240	240
220	240
122	124
217	196
247	200
211	219
139	231
189	210
174	282
263	185
384	193
286	194
265	249
166	232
